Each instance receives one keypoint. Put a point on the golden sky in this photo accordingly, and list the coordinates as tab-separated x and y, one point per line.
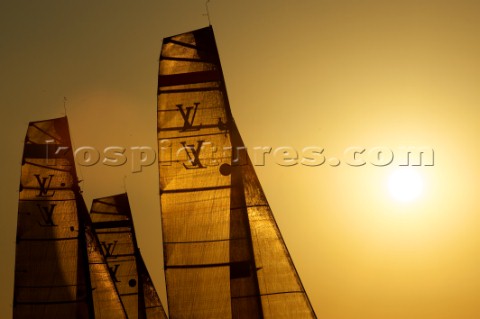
330	74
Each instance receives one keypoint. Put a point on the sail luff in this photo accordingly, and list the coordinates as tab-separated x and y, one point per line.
142	312
153	306
85	255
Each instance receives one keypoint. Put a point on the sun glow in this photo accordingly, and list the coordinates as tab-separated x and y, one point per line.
405	184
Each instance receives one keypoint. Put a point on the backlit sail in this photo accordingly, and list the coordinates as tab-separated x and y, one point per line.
51	268
106	298
113	226
224	254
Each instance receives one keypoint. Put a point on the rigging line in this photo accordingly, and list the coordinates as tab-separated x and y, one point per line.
76	168
208	13
102	201
46	133
65	105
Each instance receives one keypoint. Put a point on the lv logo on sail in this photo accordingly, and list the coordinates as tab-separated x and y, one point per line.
47	214
109	248
188	117
113	272
193	154
44	184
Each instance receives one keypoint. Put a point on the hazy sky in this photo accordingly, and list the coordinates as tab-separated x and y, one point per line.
330	74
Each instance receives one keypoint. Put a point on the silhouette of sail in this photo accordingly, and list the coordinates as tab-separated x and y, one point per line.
106	299
113	226
223	252
51	272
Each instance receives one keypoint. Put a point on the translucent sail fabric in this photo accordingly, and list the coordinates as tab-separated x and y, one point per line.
51	272
113	226
224	255
106	299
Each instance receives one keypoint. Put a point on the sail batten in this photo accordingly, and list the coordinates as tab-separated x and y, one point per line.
223	252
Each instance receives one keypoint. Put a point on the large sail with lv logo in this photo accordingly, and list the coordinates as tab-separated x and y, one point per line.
51	264
223	252
60	269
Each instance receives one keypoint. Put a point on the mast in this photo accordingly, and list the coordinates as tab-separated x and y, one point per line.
224	254
113	227
51	280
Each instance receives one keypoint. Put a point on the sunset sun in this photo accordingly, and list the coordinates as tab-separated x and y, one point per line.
405	184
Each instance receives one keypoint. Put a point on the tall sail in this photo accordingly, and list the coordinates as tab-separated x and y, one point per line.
113	226
60	271
51	272
224	254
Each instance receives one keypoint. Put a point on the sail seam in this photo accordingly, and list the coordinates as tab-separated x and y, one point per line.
249	206
171	58
188	90
201	265
112	224
177	79
48	167
45	200
52	286
189	136
270	294
48	302
120	258
179	128
199	189
106	213
47	239
46	133
183	44
105	203
203	241
113	232
203	108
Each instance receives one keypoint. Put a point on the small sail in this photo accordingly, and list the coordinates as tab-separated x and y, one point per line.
106	299
51	269
224	254
113	226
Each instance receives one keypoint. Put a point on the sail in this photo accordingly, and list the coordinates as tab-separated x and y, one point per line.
223	252
106	299
113	226
51	273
